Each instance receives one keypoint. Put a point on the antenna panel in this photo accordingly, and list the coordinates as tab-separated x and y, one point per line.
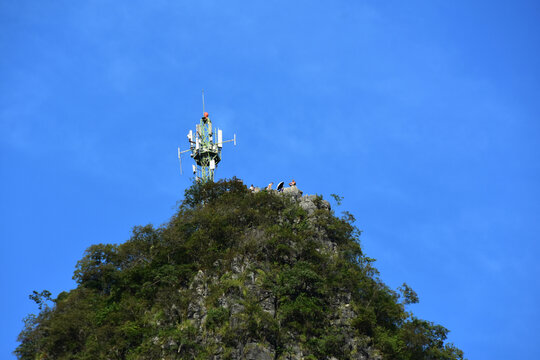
194	169
197	144
180	159
190	135
212	164
220	138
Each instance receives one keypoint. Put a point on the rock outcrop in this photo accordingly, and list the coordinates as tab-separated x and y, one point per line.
243	279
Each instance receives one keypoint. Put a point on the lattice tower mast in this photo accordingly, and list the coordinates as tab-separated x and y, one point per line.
205	148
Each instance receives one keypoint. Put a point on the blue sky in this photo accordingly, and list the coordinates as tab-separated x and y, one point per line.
422	114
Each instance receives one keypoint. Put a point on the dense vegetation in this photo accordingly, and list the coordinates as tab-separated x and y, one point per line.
136	300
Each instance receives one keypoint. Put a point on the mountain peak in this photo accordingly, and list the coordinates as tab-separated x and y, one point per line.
235	274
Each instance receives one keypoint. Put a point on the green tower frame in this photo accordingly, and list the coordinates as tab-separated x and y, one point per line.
205	149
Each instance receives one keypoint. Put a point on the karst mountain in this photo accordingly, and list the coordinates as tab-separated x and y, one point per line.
234	274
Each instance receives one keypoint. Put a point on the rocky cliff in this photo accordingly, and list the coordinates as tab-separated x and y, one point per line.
234	275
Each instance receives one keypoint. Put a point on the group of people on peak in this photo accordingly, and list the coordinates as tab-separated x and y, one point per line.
279	186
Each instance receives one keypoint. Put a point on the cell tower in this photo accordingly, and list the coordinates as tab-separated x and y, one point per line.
205	150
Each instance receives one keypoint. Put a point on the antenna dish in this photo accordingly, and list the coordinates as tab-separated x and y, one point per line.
279	186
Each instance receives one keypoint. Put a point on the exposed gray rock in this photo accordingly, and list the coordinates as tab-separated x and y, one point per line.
255	351
310	203
292	191
196	308
242	274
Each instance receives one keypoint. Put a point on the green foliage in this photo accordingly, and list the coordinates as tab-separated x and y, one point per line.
338	199
216	317
408	294
271	275
41	298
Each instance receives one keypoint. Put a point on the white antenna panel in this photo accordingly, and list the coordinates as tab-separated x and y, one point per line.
212	164
194	169
180	159
220	138
190	136
197	129
197	143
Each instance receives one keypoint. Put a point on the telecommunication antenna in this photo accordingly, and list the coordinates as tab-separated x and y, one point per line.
205	148
203	101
